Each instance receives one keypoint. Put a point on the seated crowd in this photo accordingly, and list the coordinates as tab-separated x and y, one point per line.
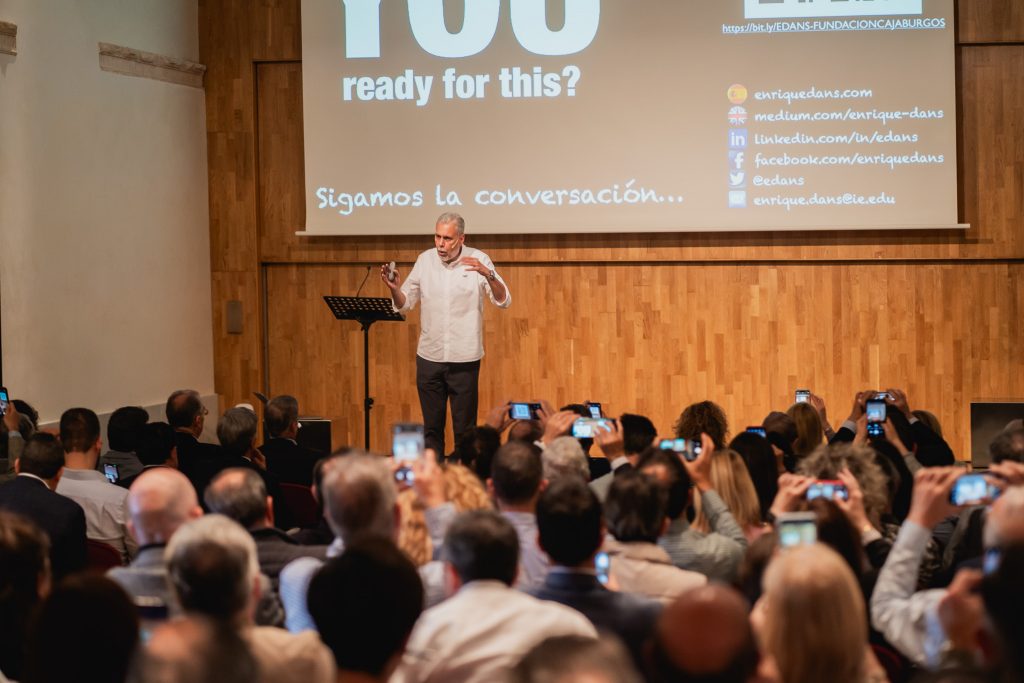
527	555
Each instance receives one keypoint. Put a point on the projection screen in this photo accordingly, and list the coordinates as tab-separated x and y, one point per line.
575	116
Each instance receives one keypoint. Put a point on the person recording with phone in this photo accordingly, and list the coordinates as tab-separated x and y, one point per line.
917	442
452	280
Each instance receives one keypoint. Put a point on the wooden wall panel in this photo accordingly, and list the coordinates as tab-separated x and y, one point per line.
990	21
655	338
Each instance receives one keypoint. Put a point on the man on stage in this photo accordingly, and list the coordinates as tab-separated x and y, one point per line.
452	280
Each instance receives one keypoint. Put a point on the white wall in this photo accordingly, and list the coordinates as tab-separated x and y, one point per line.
104	225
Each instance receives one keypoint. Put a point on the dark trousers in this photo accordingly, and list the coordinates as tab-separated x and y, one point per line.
437	383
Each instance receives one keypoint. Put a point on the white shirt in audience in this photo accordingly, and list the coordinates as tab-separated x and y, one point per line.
106	508
289	657
481	632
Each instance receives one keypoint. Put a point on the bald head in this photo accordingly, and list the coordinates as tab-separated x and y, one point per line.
160	501
705	634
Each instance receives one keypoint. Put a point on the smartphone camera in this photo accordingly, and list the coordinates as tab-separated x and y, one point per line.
803	395
828	489
797	528
111	472
407	446
876	413
689	449
524	411
588	427
972	489
4	401
595	409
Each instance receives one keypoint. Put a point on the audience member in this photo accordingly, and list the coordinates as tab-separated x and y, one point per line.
810	432
213	571
198	650
288	461
716	554
762	466
1007	446
32	495
105	505
906	618
575	659
865	466
596	466
482	631
636	517
122	437
421	541
160	501
236	431
638	433
564	457
476	451
571	530
928	448
239	494
515	484
86	629
154	448
703	418
187	416
780	430
12	442
158	504
24	581
731	480
360	499
365	603
704	635
812	620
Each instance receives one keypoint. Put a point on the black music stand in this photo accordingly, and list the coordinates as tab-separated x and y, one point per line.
365	310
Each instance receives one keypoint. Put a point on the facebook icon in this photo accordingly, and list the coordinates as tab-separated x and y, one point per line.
738	138
736	160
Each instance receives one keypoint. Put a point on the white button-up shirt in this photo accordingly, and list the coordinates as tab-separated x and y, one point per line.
452	316
481	632
106	508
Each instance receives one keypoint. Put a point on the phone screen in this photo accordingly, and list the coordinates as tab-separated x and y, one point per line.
3	401
797	528
588	427
603	565
687	448
407	446
829	490
972	489
876	411
110	471
595	410
521	411
760	431
803	395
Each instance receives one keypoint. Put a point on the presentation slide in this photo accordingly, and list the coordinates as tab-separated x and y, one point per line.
598	116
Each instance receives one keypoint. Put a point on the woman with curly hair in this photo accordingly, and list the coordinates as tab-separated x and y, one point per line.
461	487
704	417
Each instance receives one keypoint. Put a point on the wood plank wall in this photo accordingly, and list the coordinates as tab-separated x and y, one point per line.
645	323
